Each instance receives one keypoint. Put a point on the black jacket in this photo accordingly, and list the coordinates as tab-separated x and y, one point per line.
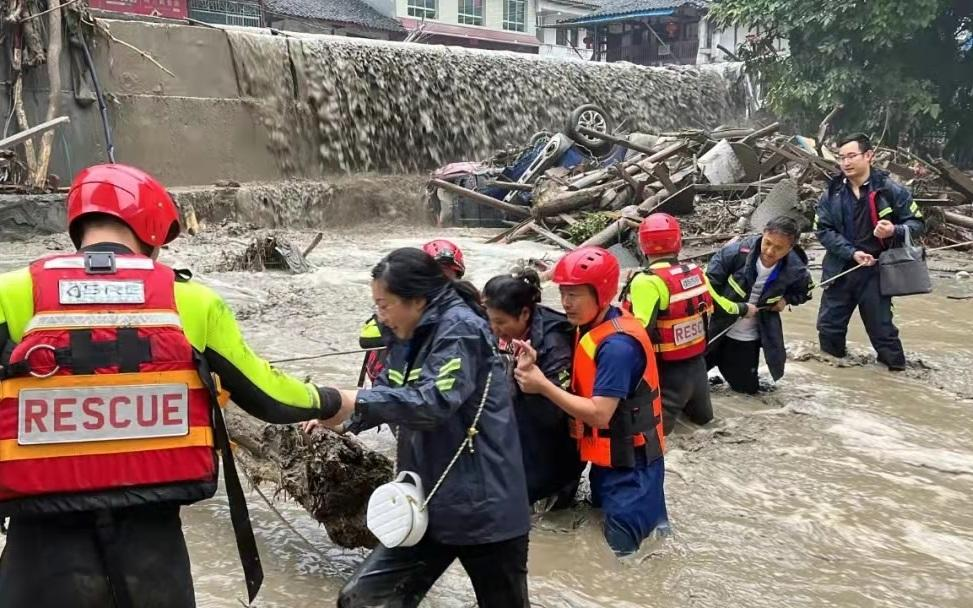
732	272
832	218
551	459
431	389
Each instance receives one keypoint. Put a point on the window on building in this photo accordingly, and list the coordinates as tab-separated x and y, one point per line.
573	37
423	9
225	12
470	12
514	15
562	36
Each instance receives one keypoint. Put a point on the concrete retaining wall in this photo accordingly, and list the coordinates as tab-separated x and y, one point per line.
265	108
316	204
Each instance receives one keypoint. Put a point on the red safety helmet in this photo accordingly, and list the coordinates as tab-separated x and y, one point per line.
447	254
592	266
129	194
659	234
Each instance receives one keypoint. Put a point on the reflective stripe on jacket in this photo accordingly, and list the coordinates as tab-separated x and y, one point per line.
209	327
431	389
831	218
102	396
733	271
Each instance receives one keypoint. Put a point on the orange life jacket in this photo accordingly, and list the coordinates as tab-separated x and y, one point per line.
637	422
102	402
680	330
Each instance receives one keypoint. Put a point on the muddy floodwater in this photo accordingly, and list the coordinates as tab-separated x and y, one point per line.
846	486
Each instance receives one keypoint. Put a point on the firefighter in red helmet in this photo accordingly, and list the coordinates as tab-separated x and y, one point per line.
614	400
449	256
673	301
111	371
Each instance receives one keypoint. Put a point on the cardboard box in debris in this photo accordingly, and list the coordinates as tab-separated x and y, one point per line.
721	184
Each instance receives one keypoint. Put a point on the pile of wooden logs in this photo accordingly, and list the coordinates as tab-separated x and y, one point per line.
722	183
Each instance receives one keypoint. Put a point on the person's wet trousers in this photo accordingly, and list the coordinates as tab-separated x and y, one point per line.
401	577
738	362
859	289
685	389
126	558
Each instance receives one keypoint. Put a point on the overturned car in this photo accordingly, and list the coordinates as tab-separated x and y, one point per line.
509	176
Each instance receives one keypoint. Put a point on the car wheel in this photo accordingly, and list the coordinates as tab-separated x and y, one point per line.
591	117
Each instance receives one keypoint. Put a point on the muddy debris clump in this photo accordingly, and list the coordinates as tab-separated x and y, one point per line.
330	475
268	252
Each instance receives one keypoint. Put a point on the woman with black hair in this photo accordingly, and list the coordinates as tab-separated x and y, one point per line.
440	364
551	461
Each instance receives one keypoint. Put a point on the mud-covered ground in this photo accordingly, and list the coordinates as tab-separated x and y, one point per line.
845	486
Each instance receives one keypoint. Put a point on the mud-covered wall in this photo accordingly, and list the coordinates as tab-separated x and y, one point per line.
318	204
246	105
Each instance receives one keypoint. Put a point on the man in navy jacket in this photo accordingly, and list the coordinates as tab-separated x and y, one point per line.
862	212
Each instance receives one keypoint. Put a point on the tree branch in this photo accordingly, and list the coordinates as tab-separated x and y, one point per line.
823	128
53	8
39	176
103	28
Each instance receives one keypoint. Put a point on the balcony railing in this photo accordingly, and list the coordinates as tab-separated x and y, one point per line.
652	52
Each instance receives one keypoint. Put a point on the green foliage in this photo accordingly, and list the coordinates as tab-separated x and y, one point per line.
898	66
589	225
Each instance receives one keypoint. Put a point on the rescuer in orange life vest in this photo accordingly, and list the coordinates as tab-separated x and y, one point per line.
109	419
614	402
673	301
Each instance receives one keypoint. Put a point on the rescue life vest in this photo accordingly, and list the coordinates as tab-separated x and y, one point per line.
637	421
679	331
102	401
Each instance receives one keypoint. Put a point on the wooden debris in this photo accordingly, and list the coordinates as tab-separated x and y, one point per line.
330	475
482	199
268	252
721	183
958	180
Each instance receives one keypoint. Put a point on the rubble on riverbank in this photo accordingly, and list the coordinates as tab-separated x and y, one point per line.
722	184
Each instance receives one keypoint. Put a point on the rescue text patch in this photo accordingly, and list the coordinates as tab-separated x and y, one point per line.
102	413
688	331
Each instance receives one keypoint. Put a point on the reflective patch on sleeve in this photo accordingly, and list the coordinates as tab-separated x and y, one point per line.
414	375
445	379
564	379
885	211
736	287
914	209
396	378
451	366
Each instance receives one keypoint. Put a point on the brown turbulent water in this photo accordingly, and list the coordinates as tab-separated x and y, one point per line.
847	486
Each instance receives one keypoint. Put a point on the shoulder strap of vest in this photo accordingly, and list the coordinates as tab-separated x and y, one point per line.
239	514
622	324
623	295
873	206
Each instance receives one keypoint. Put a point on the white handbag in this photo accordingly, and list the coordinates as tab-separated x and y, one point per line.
397	513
